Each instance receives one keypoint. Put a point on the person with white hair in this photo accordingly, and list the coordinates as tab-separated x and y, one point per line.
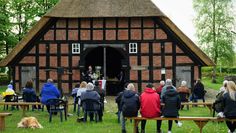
93	95
167	85
159	88
183	88
218	103
129	104
223	88
170	97
184	92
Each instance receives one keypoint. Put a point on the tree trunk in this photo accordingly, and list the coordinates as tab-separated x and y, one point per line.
214	42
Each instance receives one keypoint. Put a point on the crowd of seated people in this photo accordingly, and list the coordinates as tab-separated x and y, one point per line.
129	102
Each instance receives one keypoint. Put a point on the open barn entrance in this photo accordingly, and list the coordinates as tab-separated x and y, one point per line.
109	63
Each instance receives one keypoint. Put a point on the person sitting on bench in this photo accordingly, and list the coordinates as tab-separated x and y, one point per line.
172	103
150	106
229	106
129	104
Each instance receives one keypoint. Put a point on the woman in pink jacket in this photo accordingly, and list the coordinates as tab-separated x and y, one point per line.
150	106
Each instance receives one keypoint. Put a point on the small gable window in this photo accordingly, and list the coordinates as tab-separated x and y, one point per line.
75	48
133	48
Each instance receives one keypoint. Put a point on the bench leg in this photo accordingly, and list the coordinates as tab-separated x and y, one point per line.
200	124
2	123
136	122
210	108
23	109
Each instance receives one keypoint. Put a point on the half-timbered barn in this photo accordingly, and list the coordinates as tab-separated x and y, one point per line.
132	37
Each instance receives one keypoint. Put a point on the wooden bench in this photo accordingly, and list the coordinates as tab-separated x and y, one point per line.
2	120
199	121
209	105
23	105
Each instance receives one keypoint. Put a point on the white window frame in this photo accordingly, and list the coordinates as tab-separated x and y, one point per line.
75	48
133	48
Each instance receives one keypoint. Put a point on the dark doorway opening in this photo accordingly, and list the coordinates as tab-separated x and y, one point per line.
114	58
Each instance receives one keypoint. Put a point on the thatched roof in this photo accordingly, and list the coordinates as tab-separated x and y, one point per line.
190	44
104	8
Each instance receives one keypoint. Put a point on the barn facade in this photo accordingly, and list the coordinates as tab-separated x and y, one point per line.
113	36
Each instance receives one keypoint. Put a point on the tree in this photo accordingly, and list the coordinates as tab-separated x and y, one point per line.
214	22
7	37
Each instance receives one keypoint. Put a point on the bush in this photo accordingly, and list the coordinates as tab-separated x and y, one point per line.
220	71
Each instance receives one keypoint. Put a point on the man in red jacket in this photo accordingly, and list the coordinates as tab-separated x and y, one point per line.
150	106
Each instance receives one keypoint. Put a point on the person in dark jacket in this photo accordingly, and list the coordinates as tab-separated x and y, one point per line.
150	106
172	105
91	94
101	92
198	91
229	106
49	91
118	101
29	94
129	104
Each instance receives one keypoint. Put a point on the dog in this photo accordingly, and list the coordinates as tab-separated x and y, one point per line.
29	122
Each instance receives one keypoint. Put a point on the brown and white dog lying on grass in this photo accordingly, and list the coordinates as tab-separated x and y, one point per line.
29	122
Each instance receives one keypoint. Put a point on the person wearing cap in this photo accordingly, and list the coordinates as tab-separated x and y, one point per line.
150	106
93	95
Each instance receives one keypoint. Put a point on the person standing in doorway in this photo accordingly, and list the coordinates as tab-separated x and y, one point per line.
89	75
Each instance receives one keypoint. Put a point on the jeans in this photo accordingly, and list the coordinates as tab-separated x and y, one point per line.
123	121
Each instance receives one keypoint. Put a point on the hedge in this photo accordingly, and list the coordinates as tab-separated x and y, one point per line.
226	70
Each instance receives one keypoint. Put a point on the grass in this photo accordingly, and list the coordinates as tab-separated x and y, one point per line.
109	124
209	85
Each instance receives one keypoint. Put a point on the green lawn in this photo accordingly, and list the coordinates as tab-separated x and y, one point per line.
209	85
109	124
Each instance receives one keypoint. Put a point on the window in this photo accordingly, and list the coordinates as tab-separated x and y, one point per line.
75	48
133	48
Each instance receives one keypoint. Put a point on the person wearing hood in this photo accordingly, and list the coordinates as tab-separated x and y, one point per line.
172	104
150	106
49	91
129	104
168	83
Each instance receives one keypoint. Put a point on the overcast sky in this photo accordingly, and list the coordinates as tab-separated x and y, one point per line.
181	12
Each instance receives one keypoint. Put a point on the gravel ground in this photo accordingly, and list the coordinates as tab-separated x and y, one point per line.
211	94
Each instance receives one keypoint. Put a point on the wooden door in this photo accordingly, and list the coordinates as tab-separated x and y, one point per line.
27	73
183	73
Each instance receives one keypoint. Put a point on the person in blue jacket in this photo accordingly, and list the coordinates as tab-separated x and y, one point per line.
49	91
